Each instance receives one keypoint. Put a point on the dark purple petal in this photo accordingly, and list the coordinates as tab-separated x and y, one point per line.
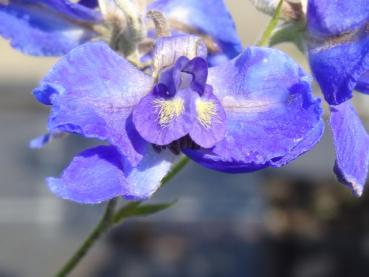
352	147
94	176
198	68
208	17
93	91
102	173
89	3
171	77
271	113
329	18
38	29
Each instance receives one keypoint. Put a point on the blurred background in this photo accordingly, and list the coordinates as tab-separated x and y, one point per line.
296	221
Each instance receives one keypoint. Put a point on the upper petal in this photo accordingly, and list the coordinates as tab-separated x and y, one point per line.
77	11
39	29
328	18
102	173
338	46
209	17
271	113
92	91
352	147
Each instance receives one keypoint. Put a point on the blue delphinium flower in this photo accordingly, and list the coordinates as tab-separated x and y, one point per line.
50	28
249	113
338	45
54	27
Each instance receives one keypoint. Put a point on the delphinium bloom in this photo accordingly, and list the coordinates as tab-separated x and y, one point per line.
47	28
338	44
54	27
252	112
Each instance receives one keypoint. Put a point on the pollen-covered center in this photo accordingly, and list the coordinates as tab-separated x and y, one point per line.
206	111
168	109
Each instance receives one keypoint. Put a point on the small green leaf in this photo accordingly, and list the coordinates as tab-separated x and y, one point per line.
138	209
290	32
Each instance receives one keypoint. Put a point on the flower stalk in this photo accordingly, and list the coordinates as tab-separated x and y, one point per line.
265	38
112	217
103	225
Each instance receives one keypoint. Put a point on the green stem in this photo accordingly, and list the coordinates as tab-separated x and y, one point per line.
264	40
101	227
109	219
174	170
121	213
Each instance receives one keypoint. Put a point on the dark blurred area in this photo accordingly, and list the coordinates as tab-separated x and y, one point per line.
291	222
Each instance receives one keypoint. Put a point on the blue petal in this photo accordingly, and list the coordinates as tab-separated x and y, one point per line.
363	83
94	176
328	18
209	17
40	141
352	152
339	65
272	117
101	173
144	179
338	46
40	29
73	10
92	91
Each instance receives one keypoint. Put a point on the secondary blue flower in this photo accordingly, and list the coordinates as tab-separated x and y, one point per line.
207	17
339	58
41	27
246	114
54	27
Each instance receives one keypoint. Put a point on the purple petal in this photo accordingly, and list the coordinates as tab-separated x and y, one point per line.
38	29
93	91
162	120
271	113
94	176
352	147
198	68
102	173
208	17
209	126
